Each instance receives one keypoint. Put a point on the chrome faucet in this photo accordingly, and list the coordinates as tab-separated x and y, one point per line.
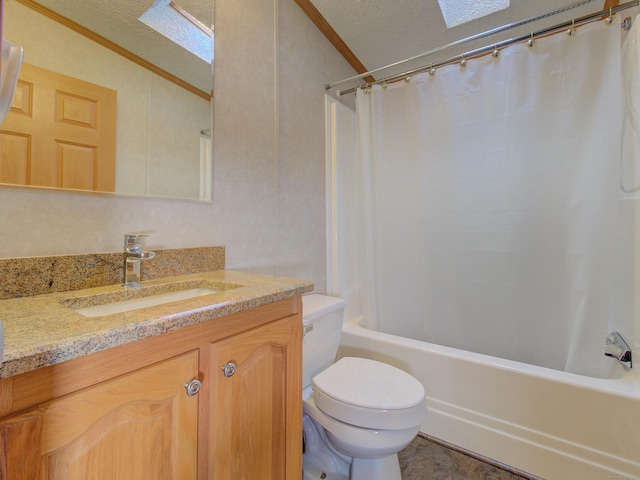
616	347
133	255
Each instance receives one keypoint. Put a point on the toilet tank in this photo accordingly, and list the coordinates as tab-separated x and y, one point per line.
320	343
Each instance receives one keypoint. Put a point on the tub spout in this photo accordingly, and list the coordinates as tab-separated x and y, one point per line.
616	347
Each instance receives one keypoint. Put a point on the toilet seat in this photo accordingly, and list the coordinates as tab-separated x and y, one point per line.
370	394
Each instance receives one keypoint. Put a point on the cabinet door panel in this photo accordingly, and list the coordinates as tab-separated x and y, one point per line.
20	447
255	412
138	426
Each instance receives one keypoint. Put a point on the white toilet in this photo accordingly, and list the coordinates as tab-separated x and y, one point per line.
358	413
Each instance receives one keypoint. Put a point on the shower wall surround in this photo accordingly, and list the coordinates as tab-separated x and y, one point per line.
268	189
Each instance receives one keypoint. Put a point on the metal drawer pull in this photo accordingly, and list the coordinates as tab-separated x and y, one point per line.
193	387
229	369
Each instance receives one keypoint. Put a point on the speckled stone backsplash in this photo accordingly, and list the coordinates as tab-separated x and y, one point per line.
25	277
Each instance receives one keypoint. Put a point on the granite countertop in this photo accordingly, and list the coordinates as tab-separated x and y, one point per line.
44	330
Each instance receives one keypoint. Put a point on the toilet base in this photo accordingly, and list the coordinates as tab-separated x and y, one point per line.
320	461
386	468
311	471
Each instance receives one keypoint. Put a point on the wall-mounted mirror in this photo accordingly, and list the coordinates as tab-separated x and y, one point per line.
163	126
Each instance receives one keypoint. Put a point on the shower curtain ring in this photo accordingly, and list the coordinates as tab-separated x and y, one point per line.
463	61
432	70
531	42
611	18
496	52
572	31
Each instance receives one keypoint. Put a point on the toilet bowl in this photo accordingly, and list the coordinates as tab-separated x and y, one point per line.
358	412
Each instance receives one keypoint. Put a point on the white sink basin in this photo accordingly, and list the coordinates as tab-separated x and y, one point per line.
143	302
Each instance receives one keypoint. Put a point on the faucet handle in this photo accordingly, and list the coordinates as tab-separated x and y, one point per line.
133	242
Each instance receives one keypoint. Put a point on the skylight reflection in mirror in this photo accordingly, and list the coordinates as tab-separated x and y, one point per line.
170	20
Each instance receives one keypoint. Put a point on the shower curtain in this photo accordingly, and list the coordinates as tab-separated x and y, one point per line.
489	205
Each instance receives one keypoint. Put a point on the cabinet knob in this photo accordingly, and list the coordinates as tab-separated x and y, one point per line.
193	387
229	369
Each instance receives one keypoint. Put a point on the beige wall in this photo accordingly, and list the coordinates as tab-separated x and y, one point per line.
268	193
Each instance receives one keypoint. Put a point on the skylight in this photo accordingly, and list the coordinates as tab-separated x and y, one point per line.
172	21
457	12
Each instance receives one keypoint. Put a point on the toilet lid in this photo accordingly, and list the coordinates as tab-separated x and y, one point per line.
371	394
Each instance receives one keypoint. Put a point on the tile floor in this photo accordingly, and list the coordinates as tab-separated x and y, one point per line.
427	459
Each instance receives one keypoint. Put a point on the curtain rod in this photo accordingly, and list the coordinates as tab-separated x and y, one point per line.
495	47
478	36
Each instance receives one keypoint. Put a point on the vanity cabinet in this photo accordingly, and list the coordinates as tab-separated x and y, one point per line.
125	412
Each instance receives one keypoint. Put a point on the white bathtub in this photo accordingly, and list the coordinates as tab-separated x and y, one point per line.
552	424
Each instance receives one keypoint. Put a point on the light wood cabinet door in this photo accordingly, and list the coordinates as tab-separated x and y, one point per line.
256	408
138	426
